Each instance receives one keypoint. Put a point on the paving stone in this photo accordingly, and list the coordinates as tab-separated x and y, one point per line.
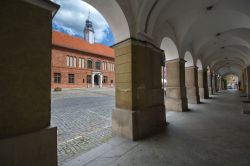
83	118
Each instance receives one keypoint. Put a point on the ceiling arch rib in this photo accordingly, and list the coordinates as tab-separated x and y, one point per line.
218	66
221	42
206	26
226	55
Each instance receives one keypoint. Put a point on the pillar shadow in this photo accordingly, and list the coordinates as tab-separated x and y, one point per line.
202	102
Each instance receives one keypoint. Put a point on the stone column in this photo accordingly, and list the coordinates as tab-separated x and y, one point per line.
191	80
205	84
248	81
210	87
202	84
140	109
176	98
222	84
245	80
219	84
215	83
26	137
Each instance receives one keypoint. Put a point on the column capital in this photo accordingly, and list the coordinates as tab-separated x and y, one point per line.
176	60
191	67
134	41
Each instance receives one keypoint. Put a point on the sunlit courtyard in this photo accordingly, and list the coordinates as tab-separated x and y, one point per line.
83	118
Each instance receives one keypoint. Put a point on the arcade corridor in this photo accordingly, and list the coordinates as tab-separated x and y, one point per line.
213	133
198	43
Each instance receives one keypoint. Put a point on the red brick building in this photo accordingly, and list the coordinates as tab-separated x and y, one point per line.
78	64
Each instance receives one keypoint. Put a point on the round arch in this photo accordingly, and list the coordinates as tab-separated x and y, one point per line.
199	64
189	59
169	48
115	17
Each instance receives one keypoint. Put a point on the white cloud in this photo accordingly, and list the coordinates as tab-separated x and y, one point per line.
73	14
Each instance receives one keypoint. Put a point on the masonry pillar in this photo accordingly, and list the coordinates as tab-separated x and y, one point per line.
191	82
219	84
245	80
213	83
202	84
210	87
216	83
176	98
205	84
223	84
140	109
26	137
248	81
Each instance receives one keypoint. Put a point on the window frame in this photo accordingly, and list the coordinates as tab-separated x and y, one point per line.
71	78
57	78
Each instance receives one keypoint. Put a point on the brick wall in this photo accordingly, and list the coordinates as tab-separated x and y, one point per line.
59	65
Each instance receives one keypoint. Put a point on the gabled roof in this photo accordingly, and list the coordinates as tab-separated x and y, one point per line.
75	43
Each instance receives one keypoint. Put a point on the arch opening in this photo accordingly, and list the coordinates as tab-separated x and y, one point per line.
199	64
78	64
169	48
189	59
232	81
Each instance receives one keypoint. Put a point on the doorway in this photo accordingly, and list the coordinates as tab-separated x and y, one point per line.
97	80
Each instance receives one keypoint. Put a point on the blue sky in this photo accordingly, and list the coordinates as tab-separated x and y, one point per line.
71	17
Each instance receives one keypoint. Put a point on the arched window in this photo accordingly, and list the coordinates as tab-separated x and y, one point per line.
89	64
98	65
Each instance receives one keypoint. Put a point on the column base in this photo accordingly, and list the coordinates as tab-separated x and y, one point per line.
37	148
179	105
210	90
138	124
176	99
201	93
193	100
193	95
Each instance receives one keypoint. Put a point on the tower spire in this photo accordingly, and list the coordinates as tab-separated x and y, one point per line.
89	33
89	15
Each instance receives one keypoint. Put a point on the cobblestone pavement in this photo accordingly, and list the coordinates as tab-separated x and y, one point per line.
83	118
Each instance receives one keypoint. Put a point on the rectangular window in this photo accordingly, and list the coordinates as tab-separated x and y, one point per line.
108	66
71	61
81	63
68	60
89	64
57	78
98	65
71	78
102	65
74	65
89	79
105	79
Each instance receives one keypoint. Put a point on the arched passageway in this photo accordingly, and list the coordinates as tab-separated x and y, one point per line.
191	79
216	32
175	90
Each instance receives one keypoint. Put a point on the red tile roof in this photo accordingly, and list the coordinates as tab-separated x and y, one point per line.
67	41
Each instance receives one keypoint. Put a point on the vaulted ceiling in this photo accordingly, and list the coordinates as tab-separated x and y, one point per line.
216	32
